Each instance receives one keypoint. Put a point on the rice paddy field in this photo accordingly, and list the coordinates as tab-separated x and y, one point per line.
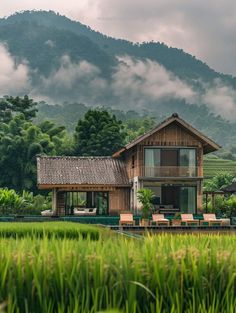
112	273
214	166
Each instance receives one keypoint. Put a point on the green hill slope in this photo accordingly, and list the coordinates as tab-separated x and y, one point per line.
213	166
93	75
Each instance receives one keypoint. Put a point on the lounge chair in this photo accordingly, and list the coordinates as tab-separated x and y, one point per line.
211	220
159	219
188	219
126	219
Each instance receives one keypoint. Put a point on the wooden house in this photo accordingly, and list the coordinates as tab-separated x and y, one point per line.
168	160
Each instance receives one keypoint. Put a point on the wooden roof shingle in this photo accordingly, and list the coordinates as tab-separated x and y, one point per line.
81	171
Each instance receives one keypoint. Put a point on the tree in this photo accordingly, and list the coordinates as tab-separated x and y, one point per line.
219	181
10	106
98	133
20	142
58	135
145	196
137	127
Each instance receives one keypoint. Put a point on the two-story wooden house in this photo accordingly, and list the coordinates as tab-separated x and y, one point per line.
168	160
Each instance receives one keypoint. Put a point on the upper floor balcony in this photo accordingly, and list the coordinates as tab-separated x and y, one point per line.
165	171
169	171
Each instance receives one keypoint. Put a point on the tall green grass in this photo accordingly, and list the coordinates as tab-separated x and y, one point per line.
50	230
165	273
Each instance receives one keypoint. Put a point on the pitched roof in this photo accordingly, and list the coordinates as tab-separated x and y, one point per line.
81	171
209	146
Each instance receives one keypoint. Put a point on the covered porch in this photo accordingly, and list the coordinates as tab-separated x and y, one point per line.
85	185
93	201
173	197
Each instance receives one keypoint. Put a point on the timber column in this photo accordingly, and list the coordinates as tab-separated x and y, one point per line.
54	200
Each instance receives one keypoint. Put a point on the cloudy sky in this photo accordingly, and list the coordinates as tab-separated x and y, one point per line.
203	28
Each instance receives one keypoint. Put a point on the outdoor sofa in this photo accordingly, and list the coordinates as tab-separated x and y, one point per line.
47	213
85	211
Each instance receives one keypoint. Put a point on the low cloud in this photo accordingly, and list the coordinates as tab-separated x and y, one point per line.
138	82
14	78
221	99
134	84
80	82
50	43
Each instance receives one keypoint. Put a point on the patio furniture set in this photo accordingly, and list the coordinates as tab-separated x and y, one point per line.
186	220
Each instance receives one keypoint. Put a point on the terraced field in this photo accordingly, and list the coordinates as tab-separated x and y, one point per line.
214	166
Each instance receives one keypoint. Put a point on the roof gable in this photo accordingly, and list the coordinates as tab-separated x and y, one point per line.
208	144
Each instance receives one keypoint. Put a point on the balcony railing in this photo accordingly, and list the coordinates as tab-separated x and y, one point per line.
169	171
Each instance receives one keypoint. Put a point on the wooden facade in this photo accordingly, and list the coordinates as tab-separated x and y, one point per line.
171	136
119	197
126	171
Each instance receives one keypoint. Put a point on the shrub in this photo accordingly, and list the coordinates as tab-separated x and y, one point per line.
25	204
145	196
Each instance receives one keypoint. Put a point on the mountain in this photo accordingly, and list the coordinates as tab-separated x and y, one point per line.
58	60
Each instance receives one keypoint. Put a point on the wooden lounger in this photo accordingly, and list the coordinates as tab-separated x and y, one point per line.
211	219
188	219
159	219
126	219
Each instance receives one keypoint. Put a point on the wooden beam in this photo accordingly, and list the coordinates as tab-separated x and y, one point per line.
82	187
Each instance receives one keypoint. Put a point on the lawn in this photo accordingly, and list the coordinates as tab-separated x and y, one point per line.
164	273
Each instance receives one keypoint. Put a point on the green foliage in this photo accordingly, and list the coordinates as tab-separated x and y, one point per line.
10	201
9	106
20	142
22	204
225	206
158	274
135	128
219	181
145	196
98	134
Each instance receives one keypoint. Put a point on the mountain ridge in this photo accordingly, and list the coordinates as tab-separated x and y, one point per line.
65	60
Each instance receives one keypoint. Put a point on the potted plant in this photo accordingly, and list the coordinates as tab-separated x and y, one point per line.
145	197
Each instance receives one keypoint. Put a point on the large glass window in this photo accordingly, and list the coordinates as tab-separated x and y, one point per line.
188	199
170	162
152	161
76	200
187	159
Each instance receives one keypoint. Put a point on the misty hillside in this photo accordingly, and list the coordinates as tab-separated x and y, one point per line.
57	60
